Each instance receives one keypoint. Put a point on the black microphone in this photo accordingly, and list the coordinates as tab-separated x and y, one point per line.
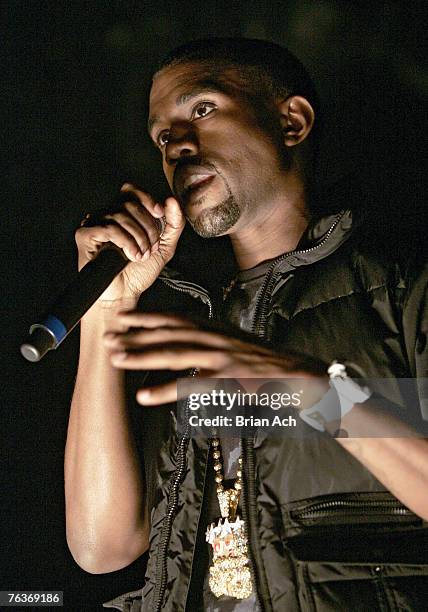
75	300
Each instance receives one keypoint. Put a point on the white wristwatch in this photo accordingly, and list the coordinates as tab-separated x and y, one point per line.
338	400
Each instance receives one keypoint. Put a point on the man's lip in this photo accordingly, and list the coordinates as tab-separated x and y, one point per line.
195	179
197	188
191	176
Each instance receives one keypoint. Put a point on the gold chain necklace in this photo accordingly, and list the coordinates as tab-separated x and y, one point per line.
229	573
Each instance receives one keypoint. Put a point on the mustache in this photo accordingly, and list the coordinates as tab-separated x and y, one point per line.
182	164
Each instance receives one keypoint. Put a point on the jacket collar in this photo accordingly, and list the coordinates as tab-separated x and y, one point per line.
323	236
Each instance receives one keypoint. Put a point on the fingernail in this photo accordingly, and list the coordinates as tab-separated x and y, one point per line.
119	356
139	256
126	186
158	209
143	395
146	255
109	335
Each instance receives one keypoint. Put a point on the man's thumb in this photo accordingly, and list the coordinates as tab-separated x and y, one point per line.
174	222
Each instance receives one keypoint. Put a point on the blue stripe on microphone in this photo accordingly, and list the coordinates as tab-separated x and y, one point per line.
56	326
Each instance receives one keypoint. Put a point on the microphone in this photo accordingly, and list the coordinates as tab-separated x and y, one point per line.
75	300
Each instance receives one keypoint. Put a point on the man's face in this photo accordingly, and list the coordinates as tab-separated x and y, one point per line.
221	159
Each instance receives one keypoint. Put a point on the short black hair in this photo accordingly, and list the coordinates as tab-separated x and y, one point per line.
272	68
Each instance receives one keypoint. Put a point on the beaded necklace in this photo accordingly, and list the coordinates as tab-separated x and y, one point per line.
229	573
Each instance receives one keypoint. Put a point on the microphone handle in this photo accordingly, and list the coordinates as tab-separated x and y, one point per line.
73	302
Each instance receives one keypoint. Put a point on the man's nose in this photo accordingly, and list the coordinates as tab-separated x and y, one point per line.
182	142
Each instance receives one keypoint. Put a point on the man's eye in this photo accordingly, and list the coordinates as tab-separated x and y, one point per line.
163	138
202	109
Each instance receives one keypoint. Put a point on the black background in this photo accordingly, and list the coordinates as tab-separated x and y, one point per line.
75	78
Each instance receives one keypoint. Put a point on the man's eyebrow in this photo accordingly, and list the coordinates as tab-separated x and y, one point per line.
199	89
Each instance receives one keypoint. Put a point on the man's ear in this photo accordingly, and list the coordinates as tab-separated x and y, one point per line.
297	118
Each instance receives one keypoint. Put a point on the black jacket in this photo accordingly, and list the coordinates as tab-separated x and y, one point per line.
324	534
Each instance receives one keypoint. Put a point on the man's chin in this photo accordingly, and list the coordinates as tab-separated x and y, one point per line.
217	220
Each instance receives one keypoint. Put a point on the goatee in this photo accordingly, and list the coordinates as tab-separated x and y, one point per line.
213	222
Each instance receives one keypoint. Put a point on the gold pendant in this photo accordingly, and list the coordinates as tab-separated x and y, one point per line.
230	572
228	501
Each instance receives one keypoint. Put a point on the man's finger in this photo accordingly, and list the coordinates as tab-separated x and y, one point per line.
145	199
151	320
174	329
161	394
170	335
171	359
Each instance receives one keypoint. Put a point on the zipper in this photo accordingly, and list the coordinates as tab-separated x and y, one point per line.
178	476
364	508
260	311
249	502
191	289
177	479
249	514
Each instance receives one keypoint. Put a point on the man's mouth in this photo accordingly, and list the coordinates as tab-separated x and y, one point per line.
197	184
192	179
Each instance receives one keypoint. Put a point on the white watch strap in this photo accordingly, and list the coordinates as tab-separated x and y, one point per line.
326	410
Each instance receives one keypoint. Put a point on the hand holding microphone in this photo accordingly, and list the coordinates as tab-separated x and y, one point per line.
145	231
142	237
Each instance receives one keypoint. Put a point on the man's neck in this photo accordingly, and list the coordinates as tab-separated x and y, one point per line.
279	231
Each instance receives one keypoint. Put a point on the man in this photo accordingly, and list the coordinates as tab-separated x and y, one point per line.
331	523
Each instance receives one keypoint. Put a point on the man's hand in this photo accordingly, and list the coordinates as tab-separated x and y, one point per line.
166	342
157	341
133	228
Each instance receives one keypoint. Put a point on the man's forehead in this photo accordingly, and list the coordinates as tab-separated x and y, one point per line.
186	76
